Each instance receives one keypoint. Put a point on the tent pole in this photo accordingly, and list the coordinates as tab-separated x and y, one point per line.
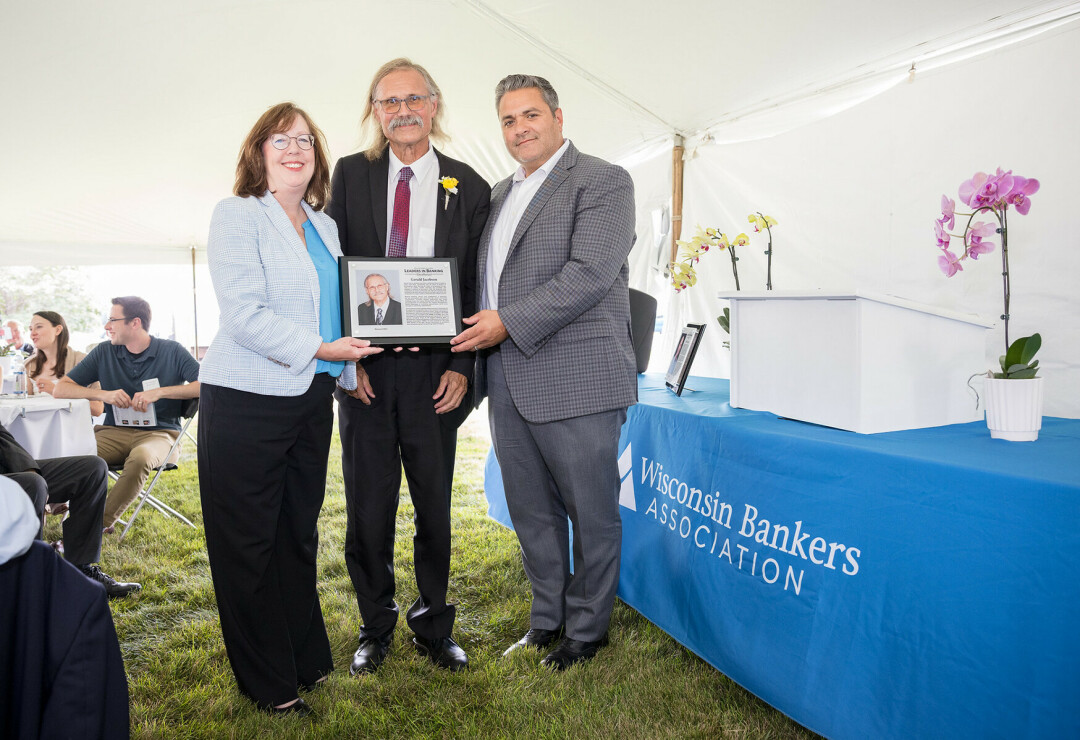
194	302
676	194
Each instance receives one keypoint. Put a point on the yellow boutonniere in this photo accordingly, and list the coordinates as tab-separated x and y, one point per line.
449	186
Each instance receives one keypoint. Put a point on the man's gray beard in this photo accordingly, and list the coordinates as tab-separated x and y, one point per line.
405	121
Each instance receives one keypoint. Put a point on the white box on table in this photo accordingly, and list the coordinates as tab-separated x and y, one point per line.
853	360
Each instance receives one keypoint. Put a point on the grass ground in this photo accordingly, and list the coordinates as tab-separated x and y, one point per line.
645	685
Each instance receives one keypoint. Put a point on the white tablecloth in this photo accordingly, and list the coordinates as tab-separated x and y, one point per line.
50	427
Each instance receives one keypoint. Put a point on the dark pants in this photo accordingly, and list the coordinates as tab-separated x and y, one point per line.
262	475
566	469
399	428
81	480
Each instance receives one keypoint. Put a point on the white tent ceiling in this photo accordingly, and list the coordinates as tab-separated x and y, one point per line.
125	116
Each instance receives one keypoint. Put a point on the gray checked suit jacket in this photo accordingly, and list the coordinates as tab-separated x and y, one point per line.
563	293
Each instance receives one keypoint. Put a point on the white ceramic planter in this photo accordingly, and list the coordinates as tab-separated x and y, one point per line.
1014	408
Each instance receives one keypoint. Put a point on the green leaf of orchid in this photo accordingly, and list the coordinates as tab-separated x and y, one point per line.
1018	350
1030	347
1012	354
725	320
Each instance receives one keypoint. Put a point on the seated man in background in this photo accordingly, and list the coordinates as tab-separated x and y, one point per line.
61	672
79	480
16	340
138	372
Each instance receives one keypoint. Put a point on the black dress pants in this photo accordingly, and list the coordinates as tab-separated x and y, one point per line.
82	480
262	475
399	428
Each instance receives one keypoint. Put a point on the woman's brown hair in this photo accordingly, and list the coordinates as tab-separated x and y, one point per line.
36	364
251	169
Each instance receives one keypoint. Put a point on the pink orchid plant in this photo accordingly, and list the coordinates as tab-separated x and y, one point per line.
984	194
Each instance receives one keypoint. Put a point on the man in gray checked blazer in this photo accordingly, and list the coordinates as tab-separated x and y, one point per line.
559	364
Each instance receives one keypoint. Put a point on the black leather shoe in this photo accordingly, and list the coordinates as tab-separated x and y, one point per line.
443	652
300	708
113	588
572	651
370	655
535	638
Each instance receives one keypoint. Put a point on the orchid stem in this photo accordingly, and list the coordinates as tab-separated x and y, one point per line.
734	268
1003	221
768	273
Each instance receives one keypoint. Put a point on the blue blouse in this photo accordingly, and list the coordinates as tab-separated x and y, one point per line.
330	296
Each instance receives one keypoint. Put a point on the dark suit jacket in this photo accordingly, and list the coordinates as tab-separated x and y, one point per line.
563	293
365	313
358	205
61	672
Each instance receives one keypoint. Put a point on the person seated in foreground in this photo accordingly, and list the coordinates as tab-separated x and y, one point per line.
139	372
81	481
53	358
61	672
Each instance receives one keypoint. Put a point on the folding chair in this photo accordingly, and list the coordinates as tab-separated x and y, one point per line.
191	408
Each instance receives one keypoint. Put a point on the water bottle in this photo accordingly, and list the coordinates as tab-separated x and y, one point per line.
19	376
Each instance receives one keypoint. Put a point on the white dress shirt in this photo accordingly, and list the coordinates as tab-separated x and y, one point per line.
423	200
522	191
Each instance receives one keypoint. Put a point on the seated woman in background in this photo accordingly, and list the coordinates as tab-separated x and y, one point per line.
53	359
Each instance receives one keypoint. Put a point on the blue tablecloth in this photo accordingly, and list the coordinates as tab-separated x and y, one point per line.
909	584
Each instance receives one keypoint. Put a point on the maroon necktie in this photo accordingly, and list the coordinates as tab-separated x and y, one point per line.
399	228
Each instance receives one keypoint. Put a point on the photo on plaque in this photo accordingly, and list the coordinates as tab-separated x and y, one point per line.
400	301
685	350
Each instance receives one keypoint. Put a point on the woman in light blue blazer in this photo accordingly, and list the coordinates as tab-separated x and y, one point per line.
266	409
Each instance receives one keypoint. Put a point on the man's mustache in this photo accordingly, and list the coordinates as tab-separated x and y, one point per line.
405	121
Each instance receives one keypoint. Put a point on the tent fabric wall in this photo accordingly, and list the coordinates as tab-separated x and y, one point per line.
856	195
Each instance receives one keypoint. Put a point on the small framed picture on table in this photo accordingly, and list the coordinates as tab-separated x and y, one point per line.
685	350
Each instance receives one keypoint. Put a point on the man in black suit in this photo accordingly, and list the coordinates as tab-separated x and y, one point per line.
380	308
401	198
81	481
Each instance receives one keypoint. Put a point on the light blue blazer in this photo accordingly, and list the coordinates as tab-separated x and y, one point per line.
268	296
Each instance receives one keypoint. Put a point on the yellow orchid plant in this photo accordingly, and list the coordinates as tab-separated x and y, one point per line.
683	274
761	221
682	270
